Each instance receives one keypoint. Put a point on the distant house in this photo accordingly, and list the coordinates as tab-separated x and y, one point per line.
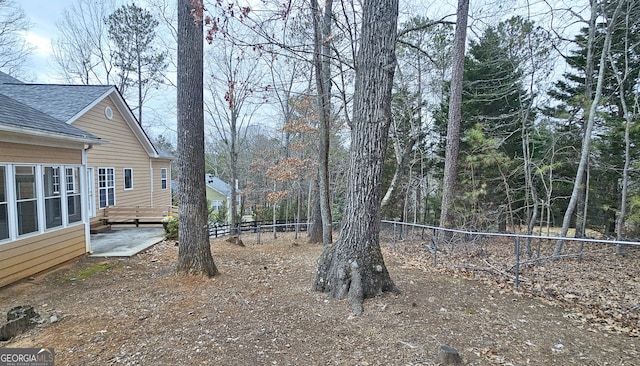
66	153
219	194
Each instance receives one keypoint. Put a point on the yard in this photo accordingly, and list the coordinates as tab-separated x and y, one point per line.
261	311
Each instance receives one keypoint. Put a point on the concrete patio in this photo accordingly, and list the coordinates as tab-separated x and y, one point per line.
125	241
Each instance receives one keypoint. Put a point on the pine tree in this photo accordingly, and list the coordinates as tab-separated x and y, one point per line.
133	31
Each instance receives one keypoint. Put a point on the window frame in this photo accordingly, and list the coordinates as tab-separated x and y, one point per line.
163	178
53	215
73	192
13	181
21	202
108	188
124	178
4	203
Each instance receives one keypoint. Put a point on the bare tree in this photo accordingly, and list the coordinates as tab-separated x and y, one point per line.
354	265
586	140
14	49
234	84
622	77
194	251
322	67
82	51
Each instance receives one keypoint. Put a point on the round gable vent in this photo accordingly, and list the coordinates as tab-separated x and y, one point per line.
108	112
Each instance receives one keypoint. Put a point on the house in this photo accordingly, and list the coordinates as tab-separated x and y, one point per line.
78	144
219	194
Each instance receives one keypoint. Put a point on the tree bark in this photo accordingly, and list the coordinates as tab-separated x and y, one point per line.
315	232
322	66
586	141
581	205
455	116
403	155
194	251
233	157
354	265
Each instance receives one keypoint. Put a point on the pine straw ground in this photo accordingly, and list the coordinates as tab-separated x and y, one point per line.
261	310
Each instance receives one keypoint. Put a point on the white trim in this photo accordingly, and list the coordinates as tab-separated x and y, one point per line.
151	182
11	199
121	105
17	134
106	187
124	179
133	124
90	190
84	202
108	112
38	199
165	179
91	105
39	183
60	195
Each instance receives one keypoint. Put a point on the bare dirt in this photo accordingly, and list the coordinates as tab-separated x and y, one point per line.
261	311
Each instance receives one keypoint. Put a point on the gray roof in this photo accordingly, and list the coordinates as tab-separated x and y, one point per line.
7	79
59	101
17	114
218	185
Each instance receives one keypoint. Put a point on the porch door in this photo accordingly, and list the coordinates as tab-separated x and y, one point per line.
91	197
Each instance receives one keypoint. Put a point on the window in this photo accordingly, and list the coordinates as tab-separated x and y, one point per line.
52	197
128	178
4	206
74	209
106	187
70	179
216	205
163	178
26	199
32	199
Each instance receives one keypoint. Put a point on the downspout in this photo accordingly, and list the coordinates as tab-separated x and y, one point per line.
151	180
83	199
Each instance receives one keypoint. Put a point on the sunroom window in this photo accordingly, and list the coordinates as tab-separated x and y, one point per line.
26	199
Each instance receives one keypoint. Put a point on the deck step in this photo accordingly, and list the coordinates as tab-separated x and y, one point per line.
99	228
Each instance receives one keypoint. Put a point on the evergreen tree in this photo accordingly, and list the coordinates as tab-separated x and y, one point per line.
495	103
570	114
133	31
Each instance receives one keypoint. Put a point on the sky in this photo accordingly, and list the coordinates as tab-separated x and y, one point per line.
41	68
43	15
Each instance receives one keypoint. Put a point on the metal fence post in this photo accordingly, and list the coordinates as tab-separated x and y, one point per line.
394	235
435	246
259	230
517	284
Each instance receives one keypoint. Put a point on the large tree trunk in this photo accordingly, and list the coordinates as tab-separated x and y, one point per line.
455	116
322	66
353	265
194	251
586	141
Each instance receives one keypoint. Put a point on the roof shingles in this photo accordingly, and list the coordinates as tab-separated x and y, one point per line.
18	114
59	101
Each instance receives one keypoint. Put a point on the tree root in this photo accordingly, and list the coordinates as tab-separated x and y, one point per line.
356	297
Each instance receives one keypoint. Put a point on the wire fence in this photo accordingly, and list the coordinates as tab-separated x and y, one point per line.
600	286
506	254
503	254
